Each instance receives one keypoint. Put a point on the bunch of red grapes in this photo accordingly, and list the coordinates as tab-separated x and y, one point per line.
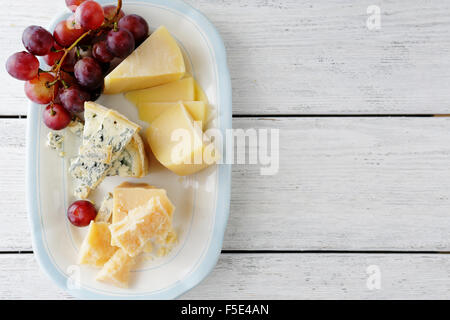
81	51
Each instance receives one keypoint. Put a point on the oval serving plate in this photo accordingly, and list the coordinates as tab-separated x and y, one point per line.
202	200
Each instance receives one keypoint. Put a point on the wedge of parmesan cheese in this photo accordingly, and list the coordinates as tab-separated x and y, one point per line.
150	221
128	196
117	270
96	248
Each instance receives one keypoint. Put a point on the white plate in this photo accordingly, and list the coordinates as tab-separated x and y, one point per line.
201	200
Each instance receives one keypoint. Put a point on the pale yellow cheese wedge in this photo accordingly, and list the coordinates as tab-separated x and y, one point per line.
156	61
96	248
151	110
117	270
172	92
150	221
177	144
199	93
128	196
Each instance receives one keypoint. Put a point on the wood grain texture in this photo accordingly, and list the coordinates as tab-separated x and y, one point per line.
343	184
275	276
302	57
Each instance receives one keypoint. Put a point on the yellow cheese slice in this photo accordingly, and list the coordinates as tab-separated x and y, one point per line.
149	111
172	92
96	248
178	144
150	221
128	196
156	61
199	93
117	270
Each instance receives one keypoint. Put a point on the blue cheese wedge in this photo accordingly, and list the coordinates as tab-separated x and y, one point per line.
93	117
103	146
89	167
133	160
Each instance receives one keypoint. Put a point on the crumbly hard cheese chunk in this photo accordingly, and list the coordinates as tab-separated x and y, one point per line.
128	196
114	133
156	61
150	221
106	208
117	270
96	249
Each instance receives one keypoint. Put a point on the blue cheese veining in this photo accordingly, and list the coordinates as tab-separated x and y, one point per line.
55	141
92	164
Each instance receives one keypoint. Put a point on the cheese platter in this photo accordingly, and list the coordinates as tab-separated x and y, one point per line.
113	214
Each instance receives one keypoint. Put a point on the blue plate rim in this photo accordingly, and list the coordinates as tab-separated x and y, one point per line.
224	175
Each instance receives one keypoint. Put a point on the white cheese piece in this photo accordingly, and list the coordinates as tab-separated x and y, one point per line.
55	141
76	126
106	209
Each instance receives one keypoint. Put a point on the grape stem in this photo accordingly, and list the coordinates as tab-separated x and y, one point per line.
119	7
57	70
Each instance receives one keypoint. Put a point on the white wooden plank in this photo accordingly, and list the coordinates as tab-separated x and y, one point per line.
276	276
298	57
343	184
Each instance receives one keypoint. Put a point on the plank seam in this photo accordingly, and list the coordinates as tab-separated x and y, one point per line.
355	252
237	116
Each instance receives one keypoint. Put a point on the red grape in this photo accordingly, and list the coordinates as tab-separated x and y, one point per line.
72	22
37	40
73	98
88	73
68	78
70	60
120	43
22	65
66	33
110	11
38	89
81	213
96	93
54	55
73	4
89	15
136	25
56	117
101	53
